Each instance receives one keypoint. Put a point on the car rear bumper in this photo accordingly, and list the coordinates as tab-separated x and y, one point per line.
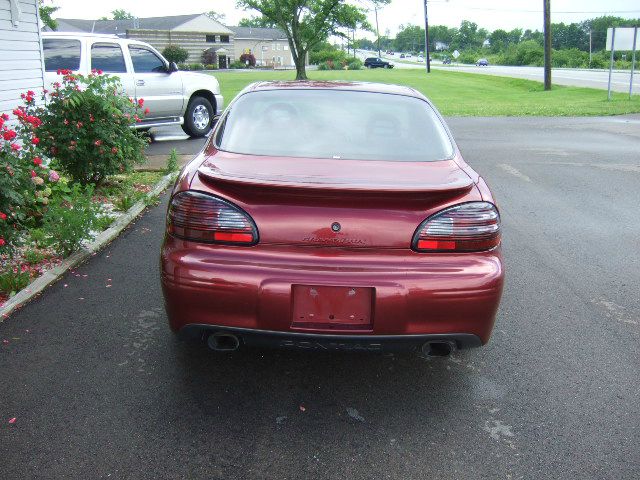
250	288
330	342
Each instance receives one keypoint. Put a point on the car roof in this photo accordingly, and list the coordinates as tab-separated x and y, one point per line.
95	36
334	85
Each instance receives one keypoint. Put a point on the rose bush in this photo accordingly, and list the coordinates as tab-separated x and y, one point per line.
25	181
86	127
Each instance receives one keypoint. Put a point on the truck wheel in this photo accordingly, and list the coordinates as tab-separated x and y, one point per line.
198	117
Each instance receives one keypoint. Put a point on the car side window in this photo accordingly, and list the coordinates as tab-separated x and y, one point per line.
61	54
145	61
107	57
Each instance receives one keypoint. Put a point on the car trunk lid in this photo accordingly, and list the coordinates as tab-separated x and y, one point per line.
333	202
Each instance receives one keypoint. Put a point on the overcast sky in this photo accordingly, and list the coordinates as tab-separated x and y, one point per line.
490	14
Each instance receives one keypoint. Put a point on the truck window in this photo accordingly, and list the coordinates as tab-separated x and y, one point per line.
61	54
145	61
107	57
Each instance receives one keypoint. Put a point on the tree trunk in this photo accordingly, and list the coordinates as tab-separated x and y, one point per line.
301	72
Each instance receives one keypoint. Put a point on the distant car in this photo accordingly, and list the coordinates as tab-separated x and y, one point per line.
408	55
483	62
332	216
402	55
420	59
446	61
391	53
374	62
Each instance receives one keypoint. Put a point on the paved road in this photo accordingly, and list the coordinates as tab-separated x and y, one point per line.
101	389
560	76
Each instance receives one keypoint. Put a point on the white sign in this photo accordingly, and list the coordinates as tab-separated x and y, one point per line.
624	38
455	54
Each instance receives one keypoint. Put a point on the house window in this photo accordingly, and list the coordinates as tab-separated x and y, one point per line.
273	47
224	38
107	57
285	47
59	53
211	39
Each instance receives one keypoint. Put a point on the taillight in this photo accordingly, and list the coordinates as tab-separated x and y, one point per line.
468	227
205	218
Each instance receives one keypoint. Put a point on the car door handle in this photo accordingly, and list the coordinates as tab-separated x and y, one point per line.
140	83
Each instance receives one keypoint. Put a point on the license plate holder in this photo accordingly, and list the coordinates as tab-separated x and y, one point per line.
321	307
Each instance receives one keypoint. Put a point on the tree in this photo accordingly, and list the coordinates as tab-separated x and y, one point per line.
174	53
120	14
256	22
45	14
377	5
308	22
218	17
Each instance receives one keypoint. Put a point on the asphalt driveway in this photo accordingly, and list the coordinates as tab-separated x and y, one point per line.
101	389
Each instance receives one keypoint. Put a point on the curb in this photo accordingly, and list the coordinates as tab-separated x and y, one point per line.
104	238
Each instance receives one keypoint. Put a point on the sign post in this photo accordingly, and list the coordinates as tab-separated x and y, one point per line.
633	60
622	38
613	49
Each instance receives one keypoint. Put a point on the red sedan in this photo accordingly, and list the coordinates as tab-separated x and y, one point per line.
332	216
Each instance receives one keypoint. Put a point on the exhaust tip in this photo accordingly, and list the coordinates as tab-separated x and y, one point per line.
223	342
438	349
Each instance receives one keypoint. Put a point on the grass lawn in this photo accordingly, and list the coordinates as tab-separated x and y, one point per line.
465	94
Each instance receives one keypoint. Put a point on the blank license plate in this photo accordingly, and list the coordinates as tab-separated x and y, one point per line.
332	308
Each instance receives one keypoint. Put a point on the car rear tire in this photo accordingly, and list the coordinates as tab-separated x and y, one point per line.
198	117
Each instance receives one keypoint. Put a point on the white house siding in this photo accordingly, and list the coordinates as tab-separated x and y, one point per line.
21	63
194	42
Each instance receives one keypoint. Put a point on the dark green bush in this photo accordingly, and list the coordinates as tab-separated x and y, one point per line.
354	64
86	127
174	53
335	55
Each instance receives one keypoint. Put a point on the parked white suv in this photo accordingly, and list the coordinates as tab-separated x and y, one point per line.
173	97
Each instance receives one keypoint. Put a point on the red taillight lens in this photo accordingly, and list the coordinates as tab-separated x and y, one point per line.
205	218
468	227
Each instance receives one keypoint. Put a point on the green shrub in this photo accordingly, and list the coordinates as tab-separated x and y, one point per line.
570	57
319	57
469	57
33	256
174	53
237	64
12	281
86	127
183	66
125	202
69	222
354	64
196	66
210	66
172	162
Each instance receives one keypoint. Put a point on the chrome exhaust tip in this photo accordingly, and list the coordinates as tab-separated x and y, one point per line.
223	342
438	349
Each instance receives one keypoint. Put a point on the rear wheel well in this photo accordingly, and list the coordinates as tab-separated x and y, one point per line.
205	94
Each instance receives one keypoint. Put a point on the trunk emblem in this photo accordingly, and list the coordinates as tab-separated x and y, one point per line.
335	226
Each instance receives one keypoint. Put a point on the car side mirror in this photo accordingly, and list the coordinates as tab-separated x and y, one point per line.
172	67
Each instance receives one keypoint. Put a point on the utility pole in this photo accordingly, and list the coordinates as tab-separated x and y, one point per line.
547	44
427	59
590	47
375	7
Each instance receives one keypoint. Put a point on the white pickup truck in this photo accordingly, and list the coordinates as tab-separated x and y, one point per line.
189	99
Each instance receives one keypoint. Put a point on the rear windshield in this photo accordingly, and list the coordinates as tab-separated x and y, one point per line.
334	124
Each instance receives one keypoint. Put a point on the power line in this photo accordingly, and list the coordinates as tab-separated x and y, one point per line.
516	10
